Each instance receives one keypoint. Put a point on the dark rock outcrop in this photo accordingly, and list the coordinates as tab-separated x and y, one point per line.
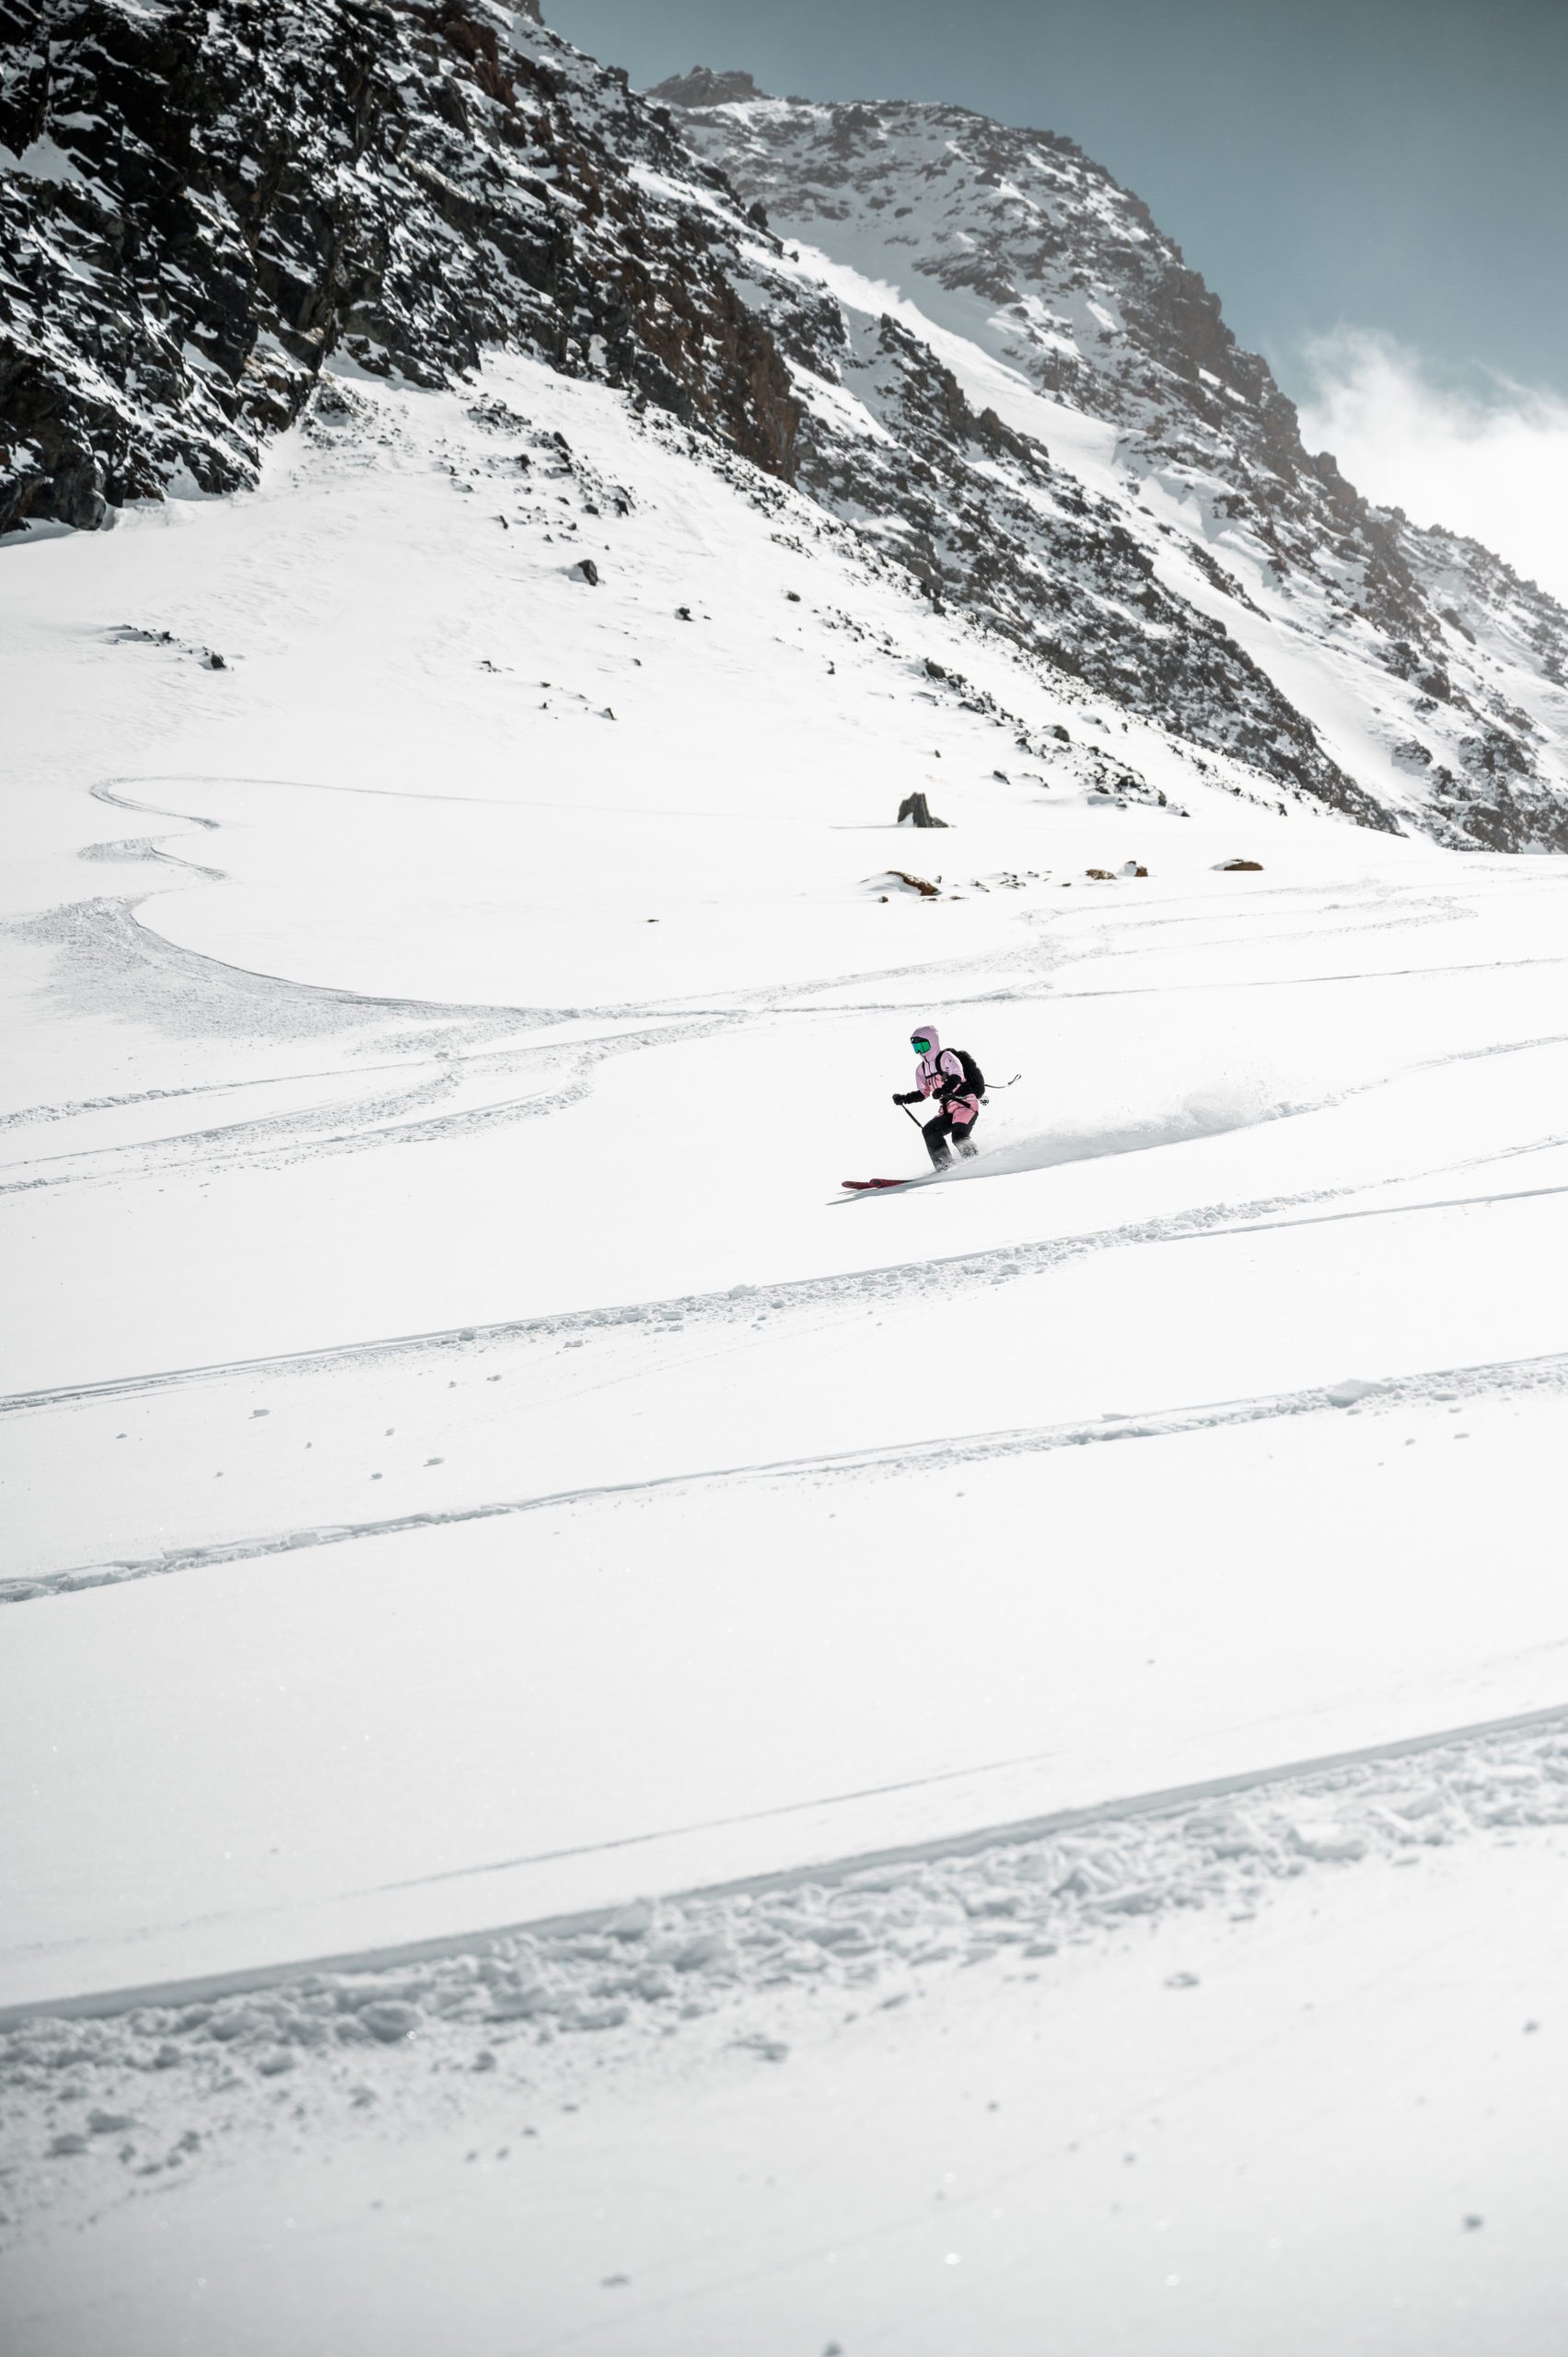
703	87
915	810
213	199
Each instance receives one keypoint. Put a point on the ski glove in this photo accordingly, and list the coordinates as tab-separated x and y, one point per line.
914	1098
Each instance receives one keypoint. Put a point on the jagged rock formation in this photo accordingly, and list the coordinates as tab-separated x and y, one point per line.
211	200
703	87
985	520
1018	240
1049	427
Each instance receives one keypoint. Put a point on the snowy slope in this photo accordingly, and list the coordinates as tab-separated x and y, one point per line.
474	1484
416	1175
1264	2065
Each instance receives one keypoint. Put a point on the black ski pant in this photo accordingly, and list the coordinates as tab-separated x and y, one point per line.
937	1134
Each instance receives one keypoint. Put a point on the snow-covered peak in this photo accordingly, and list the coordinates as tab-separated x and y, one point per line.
1015	240
1050	288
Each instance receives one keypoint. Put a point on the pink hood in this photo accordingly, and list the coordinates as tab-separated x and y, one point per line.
939	1067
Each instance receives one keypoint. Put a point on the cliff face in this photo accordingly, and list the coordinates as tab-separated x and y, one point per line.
1019	242
210	200
964	341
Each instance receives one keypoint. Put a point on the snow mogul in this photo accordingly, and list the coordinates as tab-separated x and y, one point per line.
951	1075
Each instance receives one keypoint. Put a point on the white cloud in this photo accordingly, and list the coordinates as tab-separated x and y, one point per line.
1494	465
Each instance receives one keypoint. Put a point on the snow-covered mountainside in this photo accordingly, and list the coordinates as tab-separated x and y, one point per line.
1019	252
967	342
607	1743
471	1484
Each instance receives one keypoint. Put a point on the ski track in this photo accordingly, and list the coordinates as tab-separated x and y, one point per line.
352	1125
996	1264
937	1451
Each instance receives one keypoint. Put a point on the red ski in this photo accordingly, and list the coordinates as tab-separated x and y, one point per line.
889	1186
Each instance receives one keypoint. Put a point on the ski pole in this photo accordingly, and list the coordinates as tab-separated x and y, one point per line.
919	1125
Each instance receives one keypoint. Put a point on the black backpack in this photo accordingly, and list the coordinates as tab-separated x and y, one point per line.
972	1073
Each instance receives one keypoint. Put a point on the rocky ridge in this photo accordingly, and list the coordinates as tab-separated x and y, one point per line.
1019	243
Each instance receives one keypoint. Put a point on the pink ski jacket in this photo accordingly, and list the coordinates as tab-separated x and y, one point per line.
936	1072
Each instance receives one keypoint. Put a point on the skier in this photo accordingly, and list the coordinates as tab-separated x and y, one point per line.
956	1080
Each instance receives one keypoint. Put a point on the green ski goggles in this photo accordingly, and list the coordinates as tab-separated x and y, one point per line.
921	1047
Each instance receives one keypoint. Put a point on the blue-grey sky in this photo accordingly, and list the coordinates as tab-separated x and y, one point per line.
1401	166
